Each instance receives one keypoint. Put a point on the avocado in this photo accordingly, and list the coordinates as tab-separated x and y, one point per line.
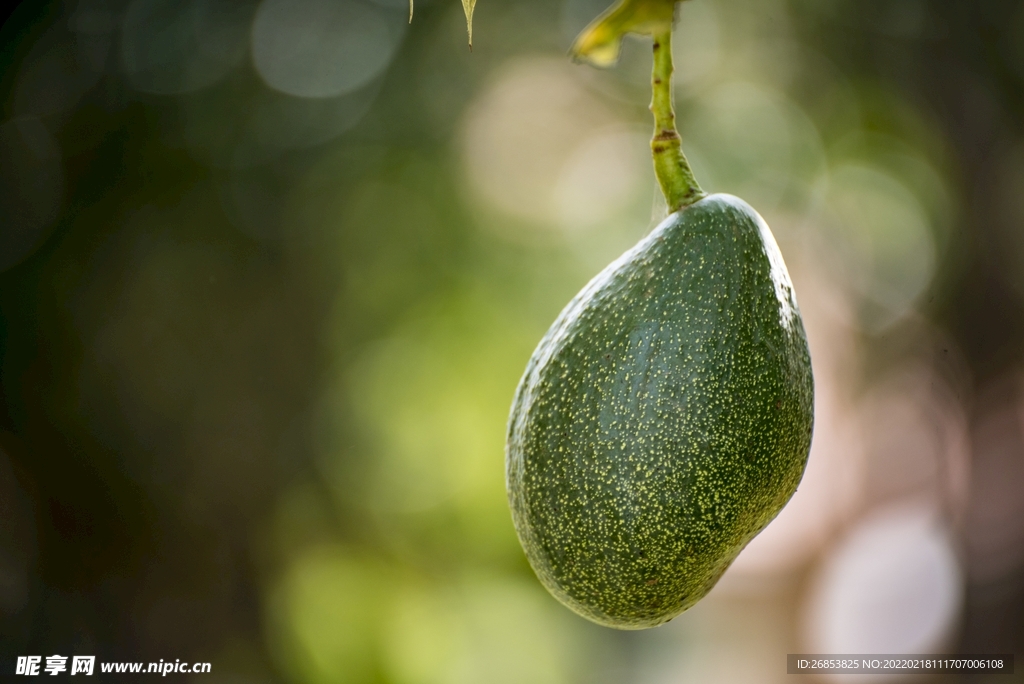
663	420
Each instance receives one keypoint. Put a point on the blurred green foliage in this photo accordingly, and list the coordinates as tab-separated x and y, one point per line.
269	285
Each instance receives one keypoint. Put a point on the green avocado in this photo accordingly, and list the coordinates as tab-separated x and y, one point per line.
664	420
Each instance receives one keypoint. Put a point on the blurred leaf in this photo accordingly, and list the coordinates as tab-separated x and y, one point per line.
467	6
326	614
599	43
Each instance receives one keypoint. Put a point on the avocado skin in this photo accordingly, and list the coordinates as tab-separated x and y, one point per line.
663	420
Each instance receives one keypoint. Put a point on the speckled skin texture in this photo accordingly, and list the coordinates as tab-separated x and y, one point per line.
664	420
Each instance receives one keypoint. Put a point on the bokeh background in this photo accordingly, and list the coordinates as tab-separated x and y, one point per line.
270	271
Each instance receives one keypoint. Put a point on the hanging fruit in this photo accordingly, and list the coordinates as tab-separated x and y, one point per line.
665	418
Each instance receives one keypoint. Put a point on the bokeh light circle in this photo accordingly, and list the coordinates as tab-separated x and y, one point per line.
170	47
322	48
753	142
543	149
600	178
893	585
885	237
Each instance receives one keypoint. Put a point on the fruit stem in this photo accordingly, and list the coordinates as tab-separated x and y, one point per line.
670	166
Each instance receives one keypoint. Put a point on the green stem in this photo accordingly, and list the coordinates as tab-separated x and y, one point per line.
670	166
